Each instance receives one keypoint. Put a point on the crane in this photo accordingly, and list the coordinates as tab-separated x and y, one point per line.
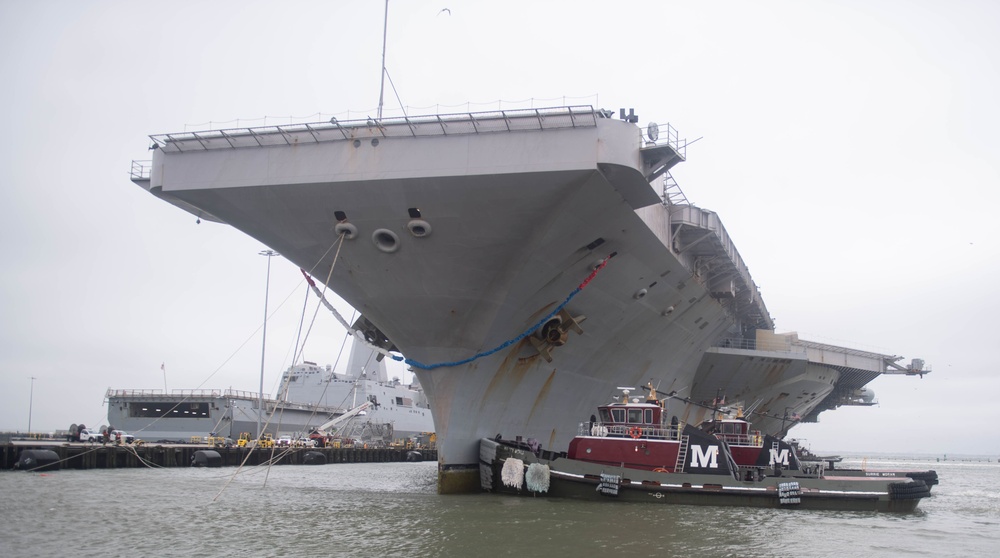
323	432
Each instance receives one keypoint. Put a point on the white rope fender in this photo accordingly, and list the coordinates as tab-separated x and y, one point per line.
512	474
537	477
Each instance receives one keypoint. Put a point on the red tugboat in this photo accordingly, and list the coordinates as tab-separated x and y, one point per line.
755	454
634	452
758	455
663	449
611	440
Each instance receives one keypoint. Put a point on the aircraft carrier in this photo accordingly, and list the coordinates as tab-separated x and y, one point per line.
523	263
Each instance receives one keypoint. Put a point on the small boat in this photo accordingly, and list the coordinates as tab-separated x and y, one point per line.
631	451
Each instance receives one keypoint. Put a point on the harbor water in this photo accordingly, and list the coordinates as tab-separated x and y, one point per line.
393	509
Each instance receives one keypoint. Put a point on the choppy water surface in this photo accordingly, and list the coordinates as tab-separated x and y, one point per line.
393	509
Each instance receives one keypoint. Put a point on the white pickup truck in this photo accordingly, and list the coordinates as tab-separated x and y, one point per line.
121	437
90	436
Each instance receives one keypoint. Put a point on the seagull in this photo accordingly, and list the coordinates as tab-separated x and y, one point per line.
443	10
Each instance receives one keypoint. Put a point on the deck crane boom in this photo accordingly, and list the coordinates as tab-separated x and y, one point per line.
323	432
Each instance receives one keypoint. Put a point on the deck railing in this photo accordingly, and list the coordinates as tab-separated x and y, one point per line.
228	393
577	116
141	170
405	126
776	345
648	431
752	439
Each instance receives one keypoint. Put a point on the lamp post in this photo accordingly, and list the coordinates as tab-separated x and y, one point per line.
31	399
263	345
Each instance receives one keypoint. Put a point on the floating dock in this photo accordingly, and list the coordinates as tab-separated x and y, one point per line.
110	456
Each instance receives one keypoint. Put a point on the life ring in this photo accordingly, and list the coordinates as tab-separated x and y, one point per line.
635	432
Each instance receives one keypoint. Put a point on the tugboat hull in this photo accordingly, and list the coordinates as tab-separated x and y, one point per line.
570	478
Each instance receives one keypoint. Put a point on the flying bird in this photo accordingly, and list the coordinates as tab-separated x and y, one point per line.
443	10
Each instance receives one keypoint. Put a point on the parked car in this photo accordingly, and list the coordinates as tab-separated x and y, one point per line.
284	441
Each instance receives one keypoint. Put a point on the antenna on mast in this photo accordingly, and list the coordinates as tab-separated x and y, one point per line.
381	90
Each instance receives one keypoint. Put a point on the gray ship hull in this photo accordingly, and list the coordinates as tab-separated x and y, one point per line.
311	395
189	415
456	236
571	478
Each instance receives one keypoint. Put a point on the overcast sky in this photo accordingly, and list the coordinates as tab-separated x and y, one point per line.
850	148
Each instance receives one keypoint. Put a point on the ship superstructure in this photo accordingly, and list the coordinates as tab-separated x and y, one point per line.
367	379
310	395
522	261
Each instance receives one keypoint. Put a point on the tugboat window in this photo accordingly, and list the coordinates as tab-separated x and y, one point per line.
635	416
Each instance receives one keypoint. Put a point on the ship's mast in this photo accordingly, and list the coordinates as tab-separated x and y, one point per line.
381	90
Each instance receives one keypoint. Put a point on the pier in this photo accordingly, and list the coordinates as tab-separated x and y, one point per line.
111	456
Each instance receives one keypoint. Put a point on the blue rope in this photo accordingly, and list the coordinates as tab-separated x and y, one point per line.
509	342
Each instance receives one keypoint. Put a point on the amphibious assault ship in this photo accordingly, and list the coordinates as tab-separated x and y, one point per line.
310	395
522	262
